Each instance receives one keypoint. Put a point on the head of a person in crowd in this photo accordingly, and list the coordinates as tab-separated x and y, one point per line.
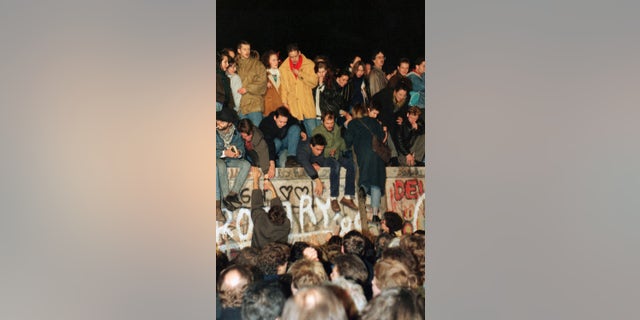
244	49
400	91
419	231
335	239
342	78
230	52
293	51
223	59
345	298
302	250
314	303
413	114
330	250
360	110
355	60
355	292
277	215
367	69
391	222
281	116
329	120
222	261
401	255
354	242
248	257
415	244
254	54
389	273
403	66
322	59
420	66
373	111
270	59
395	304
233	67
273	259
322	71
263	300
232	284
358	70
382	242
317	144
349	266
377	57
224	119
246	128
306	273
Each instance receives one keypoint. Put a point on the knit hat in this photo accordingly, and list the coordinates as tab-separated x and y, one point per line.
226	114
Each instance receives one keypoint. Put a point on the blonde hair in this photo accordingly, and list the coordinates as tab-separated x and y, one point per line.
305	273
314	303
393	273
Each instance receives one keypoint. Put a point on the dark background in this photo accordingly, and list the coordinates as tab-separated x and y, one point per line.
335	28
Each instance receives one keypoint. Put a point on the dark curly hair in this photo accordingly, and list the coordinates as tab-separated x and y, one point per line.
272	256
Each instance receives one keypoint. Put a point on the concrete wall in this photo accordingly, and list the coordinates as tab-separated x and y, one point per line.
312	219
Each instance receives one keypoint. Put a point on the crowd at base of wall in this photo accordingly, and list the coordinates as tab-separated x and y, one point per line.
311	216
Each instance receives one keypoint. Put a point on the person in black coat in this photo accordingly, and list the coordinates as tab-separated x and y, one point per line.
360	130
282	131
409	139
393	104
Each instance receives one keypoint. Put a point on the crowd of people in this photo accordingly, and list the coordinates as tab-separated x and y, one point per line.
357	276
309	113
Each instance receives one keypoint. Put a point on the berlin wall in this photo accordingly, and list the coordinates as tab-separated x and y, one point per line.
311	217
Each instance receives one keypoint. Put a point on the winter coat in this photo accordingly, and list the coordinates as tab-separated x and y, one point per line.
261	149
254	79
389	112
405	136
265	231
296	92
371	166
377	80
272	99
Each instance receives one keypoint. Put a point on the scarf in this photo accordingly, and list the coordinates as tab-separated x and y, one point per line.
296	66
227	135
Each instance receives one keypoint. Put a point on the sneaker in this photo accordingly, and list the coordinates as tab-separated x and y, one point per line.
349	203
292	162
228	205
335	206
234	199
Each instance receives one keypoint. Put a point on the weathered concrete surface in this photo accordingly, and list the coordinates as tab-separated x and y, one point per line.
311	216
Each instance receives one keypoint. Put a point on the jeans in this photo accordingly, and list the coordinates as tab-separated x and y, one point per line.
222	176
334	176
310	124
255	117
289	143
376	196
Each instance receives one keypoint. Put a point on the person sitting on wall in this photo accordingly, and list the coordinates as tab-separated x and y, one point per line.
310	155
272	226
282	131
337	156
409	139
257	151
229	153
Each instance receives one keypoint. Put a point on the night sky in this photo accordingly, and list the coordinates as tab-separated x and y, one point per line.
339	29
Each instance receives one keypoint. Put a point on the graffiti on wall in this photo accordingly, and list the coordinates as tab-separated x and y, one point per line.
311	216
406	197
